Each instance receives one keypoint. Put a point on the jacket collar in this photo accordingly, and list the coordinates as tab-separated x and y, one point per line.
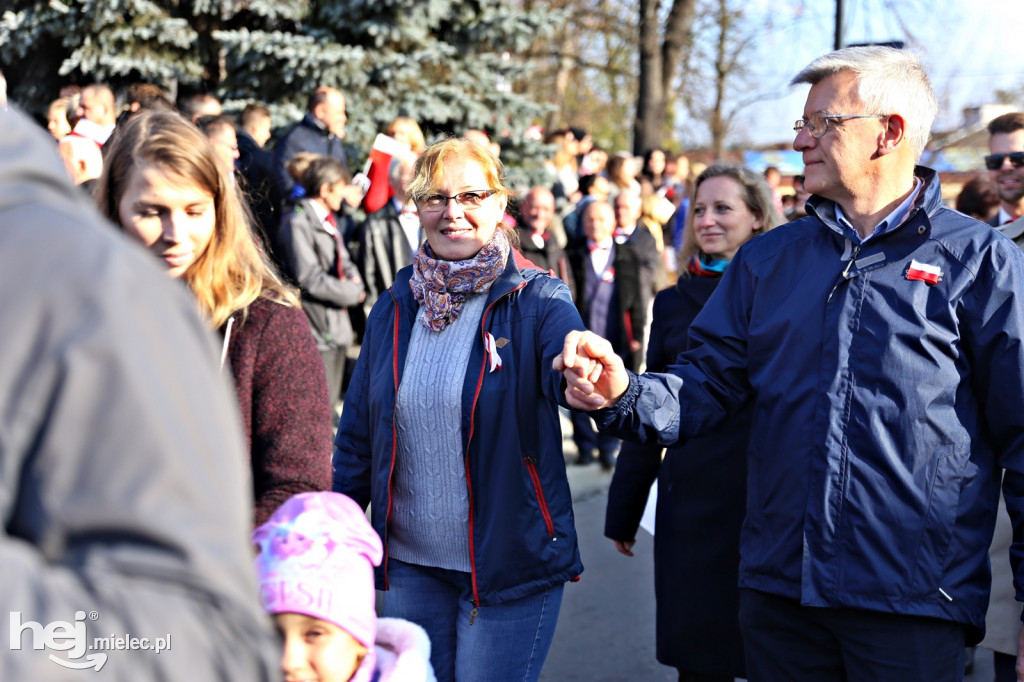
928	199
311	121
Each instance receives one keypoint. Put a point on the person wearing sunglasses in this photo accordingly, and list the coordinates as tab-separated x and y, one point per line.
877	341
1005	163
451	429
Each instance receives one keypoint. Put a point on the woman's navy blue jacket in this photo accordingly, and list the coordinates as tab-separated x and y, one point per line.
884	407
701	503
522	533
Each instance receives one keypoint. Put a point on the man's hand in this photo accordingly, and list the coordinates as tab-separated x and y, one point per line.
594	374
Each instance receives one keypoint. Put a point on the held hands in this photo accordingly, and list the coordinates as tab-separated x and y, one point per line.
594	374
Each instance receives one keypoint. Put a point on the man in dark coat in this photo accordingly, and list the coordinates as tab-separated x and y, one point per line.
628	209
878	339
390	236
607	278
256	168
320	131
536	242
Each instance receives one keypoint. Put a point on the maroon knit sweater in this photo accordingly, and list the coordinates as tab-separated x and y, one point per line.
282	393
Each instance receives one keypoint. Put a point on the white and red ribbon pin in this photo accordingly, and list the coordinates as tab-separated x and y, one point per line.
492	351
929	274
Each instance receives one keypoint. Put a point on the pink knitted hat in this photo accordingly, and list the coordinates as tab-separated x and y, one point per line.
317	554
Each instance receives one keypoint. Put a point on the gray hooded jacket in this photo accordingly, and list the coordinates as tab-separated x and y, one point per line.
123	483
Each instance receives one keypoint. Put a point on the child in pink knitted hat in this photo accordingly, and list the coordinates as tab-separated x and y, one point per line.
315	566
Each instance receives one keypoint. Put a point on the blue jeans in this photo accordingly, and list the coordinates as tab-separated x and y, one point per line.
502	642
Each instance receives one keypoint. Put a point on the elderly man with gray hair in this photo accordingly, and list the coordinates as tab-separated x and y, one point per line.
878	340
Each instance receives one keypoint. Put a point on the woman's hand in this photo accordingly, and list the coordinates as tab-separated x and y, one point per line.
624	546
594	374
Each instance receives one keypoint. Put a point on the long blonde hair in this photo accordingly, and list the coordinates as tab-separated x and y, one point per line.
233	271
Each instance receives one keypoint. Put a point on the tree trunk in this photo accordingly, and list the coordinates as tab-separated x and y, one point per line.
650	97
563	75
659	64
718	122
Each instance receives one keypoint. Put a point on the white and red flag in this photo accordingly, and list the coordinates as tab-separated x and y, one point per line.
376	169
930	274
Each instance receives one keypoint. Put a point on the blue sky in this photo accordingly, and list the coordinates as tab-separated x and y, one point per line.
970	47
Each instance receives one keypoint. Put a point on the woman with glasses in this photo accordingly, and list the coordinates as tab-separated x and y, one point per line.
163	186
451	430
702	483
313	255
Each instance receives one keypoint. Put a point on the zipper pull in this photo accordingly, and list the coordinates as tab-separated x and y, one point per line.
853	257
472	616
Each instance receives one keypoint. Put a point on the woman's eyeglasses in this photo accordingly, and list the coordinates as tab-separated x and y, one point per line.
995	161
467	200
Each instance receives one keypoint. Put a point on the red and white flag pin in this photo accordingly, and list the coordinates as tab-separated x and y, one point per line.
929	274
492	351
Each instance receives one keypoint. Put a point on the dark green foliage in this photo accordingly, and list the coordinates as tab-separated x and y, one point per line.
449	65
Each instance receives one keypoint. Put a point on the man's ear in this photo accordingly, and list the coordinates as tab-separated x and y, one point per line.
894	134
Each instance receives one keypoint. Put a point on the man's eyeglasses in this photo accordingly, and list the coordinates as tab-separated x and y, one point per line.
995	161
467	200
817	124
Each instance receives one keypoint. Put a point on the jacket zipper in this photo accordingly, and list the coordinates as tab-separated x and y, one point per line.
531	466
472	426
845	275
394	441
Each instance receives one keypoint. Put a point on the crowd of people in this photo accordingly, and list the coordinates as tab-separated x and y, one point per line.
830	410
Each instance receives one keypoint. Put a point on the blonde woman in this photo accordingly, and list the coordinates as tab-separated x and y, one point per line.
162	186
701	483
453	431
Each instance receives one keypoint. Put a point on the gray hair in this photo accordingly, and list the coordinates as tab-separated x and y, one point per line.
889	81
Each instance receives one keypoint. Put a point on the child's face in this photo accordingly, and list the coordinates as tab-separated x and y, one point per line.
316	650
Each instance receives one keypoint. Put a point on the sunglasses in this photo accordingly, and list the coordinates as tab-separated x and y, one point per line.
995	161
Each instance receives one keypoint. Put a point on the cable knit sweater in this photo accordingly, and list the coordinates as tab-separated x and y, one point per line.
282	395
430	520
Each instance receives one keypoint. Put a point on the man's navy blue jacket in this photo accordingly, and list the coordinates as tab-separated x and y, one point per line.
885	407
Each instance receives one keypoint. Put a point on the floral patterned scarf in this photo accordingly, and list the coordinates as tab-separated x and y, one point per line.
442	286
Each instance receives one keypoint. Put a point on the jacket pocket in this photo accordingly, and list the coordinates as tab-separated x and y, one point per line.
531	467
940	521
